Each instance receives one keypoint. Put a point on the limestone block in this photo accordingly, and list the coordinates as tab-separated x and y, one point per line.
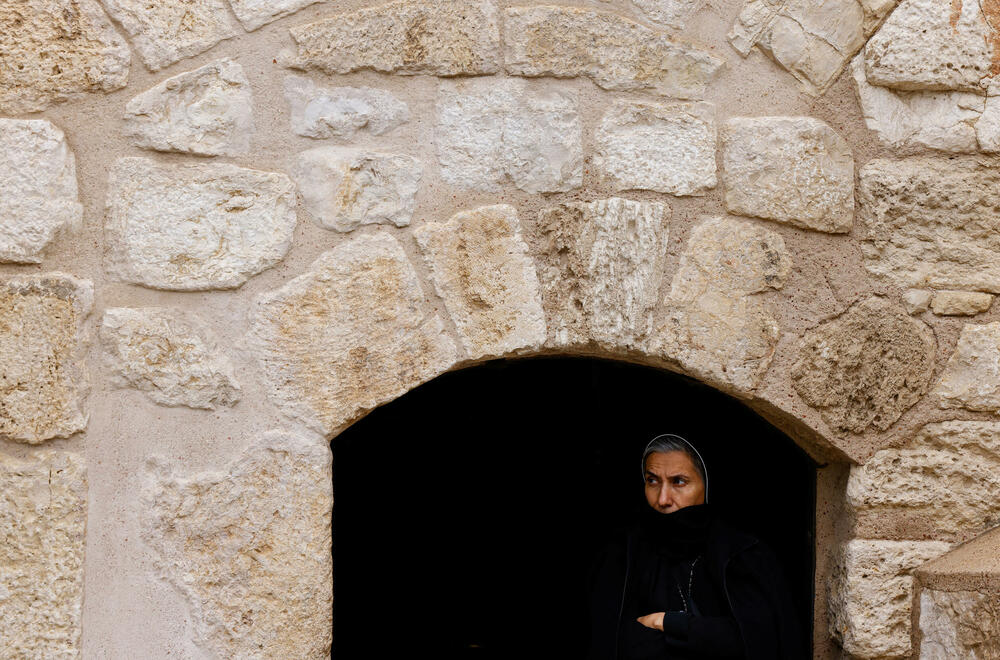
408	37
38	193
195	227
341	112
934	45
716	324
84	53
666	147
673	13
43	519
43	380
971	379
960	303
480	267
988	125
959	624
255	13
871	595
600	267
249	547
811	40
165	32
170	355
616	53
932	222
865	367
207	111
917	301
348	335
490	131
345	188
790	169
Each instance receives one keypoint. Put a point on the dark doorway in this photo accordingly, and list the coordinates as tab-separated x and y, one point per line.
466	512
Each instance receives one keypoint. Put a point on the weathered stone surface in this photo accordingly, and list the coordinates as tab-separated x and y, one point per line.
38	193
170	355
196	227
600	266
345	188
616	53
949	472
42	376
165	32
935	45
959	624
917	301
341	112
790	169
479	265
255	13
971	378
43	519
348	335
673	13
409	37
206	111
871	595
960	303
865	367
988	126
666	147
490	131
716	324
932	222
811	40
82	53
250	547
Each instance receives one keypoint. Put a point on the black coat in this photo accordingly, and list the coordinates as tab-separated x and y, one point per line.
756	590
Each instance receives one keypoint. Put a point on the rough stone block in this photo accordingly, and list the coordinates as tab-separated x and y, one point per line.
796	170
255	13
917	301
959	624
960	303
616	53
196	227
673	13
348	335
480	268
345	188
341	112
43	380
971	379
249	547
666	147
865	367
38	192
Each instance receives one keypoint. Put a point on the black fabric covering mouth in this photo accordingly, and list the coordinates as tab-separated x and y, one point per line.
682	534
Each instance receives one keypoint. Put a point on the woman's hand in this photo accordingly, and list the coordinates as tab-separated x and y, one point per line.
654	620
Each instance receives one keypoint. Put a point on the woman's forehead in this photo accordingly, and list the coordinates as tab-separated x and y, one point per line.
670	462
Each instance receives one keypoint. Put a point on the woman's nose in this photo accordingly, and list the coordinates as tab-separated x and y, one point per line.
664	500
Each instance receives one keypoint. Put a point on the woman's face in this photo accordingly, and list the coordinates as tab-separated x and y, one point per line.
672	482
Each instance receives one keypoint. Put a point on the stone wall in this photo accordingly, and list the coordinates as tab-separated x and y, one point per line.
229	229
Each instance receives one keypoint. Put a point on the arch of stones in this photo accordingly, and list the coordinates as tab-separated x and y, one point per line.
229	229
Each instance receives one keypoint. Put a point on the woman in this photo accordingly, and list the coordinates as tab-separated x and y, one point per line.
681	584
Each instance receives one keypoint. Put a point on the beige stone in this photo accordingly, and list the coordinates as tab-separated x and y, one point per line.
917	301
43	380
959	624
38	191
960	303
83	51
971	379
255	13
871	595
207	111
616	53
948	475
666	147
480	267
171	356
195	227
250	547
600	267
932	222
796	170
717	325
165	32
865	367
348	335
345	188
43	519
341	112
409	37
673	13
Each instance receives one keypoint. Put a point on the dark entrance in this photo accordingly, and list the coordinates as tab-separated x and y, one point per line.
466	511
